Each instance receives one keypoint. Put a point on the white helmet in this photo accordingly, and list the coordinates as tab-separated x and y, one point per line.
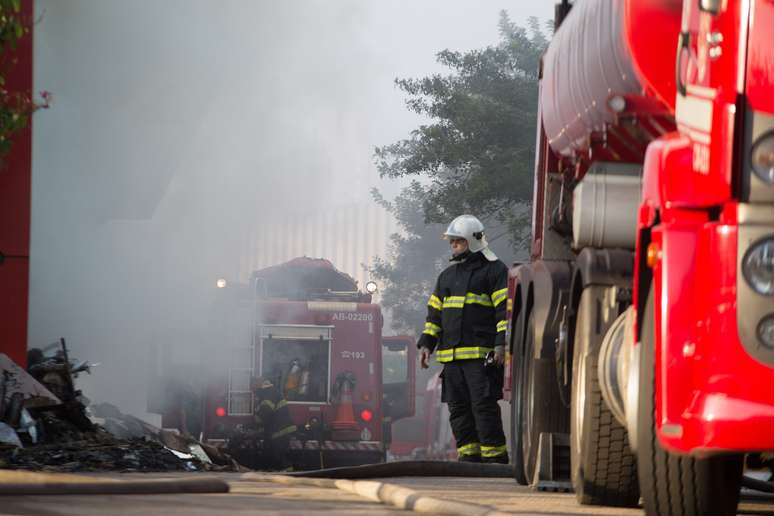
472	230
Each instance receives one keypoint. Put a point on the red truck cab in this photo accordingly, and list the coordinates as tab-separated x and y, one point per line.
642	329
305	327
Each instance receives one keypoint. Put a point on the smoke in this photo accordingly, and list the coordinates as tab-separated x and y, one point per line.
181	129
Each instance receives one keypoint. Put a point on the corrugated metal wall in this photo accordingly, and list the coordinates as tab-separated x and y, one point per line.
347	235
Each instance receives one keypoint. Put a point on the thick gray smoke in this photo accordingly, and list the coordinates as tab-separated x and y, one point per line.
180	128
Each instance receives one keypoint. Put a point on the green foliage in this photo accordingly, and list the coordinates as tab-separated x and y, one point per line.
476	156
12	27
416	257
15	107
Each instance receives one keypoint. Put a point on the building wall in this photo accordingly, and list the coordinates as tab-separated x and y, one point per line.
348	235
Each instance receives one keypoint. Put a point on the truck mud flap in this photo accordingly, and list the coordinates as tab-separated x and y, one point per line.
553	463
309	455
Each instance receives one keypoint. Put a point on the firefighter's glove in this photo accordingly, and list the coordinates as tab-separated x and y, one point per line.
499	355
424	358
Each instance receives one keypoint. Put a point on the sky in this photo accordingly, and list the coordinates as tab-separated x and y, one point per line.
179	126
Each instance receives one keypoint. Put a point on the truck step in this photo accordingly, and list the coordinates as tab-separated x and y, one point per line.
553	463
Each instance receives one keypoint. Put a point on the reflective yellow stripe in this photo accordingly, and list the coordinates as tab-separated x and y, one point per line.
468	299
474	349
466	353
498	296
509	305
285	431
477	299
502	325
469	449
281	404
268	403
470	356
432	329
435	302
453	302
493	451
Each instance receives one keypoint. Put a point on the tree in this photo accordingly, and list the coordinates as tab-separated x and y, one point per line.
476	156
416	256
16	107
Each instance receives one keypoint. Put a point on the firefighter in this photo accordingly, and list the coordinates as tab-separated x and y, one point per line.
272	414
465	328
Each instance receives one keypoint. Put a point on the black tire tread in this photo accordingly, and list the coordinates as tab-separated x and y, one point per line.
607	472
517	390
674	485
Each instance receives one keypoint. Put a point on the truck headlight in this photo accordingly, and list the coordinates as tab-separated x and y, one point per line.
766	331
763	158
758	267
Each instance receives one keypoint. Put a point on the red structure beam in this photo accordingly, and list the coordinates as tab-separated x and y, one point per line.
15	191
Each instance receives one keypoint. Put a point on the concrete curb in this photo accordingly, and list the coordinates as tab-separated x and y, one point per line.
389	494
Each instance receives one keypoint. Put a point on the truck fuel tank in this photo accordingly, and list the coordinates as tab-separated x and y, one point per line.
604	206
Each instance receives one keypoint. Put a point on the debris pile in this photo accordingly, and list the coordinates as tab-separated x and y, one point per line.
97	455
45	425
125	426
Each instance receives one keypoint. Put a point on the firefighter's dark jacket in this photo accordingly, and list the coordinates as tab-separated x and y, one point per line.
466	314
272	413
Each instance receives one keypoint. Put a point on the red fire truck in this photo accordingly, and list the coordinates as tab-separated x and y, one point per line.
427	434
304	326
642	329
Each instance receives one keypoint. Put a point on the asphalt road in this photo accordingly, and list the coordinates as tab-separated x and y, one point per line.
506	496
253	497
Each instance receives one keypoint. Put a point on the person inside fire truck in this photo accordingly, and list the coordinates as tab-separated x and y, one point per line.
273	417
465	327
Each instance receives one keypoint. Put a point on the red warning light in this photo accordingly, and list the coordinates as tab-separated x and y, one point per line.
366	415
220	412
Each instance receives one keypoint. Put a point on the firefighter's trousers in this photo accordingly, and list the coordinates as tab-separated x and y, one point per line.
472	391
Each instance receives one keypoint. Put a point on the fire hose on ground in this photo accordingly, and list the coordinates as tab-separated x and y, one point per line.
413	468
766	486
354	480
430	468
34	483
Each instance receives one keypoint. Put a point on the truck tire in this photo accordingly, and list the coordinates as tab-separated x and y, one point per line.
604	469
541	409
517	397
672	484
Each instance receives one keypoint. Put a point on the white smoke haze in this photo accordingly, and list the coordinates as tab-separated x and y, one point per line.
181	130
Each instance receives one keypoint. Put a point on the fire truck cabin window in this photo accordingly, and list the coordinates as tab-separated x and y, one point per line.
298	367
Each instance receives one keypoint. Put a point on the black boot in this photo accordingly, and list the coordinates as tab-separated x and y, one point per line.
469	458
499	459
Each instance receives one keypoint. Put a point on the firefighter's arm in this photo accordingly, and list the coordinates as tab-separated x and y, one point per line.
429	338
266	407
499	297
